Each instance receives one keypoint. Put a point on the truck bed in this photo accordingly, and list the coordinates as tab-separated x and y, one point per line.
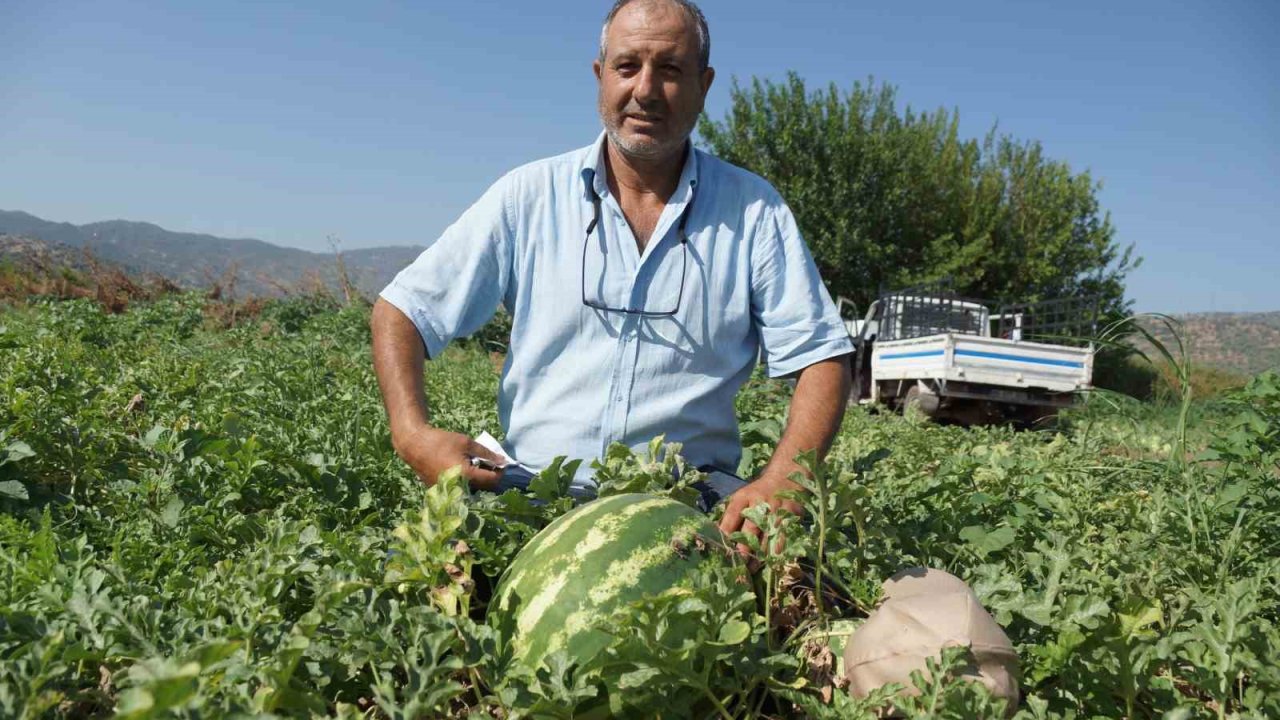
952	357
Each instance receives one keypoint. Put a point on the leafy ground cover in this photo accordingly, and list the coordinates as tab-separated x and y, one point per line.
199	520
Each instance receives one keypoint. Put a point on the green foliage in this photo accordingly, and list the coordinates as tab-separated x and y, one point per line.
197	522
888	198
667	670
1250	441
1121	371
661	470
430	552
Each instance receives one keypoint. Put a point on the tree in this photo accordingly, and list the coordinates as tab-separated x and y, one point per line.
889	199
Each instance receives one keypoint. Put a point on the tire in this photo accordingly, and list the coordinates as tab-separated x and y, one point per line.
1037	418
921	403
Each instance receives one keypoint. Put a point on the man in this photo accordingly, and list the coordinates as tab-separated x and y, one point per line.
642	277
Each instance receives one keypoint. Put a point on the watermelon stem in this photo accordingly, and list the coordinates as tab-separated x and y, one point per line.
745	701
720	708
820	484
475	686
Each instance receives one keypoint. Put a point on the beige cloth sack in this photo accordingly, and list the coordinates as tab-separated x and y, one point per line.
924	611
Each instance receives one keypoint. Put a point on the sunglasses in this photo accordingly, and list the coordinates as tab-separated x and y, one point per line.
684	261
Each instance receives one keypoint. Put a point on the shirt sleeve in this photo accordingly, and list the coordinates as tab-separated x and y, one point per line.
454	287
796	320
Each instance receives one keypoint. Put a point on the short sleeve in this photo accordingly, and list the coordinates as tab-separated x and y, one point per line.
797	323
455	286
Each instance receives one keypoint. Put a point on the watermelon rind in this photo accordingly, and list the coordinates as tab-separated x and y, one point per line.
588	564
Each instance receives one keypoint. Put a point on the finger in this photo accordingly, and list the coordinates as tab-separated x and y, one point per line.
749	528
477	477
750	557
779	544
481	479
794	508
475	449
753	562
732	519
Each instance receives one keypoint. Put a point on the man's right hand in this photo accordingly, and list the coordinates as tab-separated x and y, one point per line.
431	451
398	355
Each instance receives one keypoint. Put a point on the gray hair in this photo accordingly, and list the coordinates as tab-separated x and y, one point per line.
694	13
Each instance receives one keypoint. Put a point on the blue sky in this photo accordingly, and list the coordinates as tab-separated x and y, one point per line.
379	122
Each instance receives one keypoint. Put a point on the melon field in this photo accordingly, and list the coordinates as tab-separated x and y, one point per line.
201	515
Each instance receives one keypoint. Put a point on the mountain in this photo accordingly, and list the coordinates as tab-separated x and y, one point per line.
46	258
1246	343
198	260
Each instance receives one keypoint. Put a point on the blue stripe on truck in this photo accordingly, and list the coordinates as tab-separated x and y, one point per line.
1021	358
925	353
990	355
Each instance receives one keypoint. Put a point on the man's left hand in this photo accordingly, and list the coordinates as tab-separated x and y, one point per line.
817	406
766	490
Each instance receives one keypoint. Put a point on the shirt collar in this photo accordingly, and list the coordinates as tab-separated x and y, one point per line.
593	172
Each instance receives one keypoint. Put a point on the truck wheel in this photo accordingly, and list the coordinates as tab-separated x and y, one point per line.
924	403
1040	418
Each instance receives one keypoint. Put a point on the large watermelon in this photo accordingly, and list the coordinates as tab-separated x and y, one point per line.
590	562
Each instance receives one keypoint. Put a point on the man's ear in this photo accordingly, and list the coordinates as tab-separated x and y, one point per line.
597	68
708	76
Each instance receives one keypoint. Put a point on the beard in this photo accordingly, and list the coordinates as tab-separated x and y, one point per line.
672	133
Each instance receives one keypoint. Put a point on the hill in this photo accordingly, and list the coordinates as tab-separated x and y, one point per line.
198	260
30	255
1246	343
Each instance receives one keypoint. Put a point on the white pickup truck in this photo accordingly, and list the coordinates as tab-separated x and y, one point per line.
938	353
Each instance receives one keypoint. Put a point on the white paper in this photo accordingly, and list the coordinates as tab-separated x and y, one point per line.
491	443
515	474
516	471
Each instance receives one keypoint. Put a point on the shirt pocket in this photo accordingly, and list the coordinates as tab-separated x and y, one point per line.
711	333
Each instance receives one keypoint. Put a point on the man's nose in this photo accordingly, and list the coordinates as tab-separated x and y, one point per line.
648	85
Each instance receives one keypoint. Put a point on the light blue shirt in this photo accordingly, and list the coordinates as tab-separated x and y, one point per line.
577	379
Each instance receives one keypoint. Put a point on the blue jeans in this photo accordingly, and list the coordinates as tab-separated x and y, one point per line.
719	485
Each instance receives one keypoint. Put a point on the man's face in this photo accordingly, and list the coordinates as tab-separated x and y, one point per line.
651	90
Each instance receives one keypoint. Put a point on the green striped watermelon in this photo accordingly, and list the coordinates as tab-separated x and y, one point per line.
590	562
